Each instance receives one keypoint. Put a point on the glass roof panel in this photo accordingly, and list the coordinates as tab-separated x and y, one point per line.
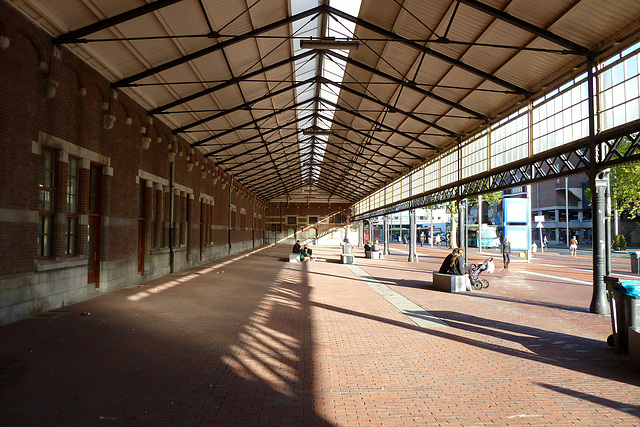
331	69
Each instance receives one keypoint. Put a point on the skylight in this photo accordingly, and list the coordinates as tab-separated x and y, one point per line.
313	147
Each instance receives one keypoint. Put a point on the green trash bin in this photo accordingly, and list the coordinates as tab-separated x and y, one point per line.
633	256
624	296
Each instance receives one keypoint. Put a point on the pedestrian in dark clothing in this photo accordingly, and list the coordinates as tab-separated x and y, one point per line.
453	263
296	248
506	251
456	266
444	268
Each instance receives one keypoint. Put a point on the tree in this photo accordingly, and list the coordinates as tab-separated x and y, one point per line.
452	210
492	198
625	189
625	184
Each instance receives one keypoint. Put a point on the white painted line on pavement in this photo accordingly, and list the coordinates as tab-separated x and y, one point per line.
566	279
413	311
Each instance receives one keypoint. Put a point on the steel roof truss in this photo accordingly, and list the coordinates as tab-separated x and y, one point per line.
218	46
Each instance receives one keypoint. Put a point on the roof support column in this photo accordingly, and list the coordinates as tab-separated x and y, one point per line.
463	218
413	257
385	228
598	184
598	181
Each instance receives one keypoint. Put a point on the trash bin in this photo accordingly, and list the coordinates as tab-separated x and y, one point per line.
624	297
634	261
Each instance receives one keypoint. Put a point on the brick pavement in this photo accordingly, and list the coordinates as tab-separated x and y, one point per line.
256	341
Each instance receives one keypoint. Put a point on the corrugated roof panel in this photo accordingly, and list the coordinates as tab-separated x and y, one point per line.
605	18
464	25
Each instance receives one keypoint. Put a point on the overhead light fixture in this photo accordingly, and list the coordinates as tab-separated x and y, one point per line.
329	43
316	131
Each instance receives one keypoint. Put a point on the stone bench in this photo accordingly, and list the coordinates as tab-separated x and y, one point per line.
450	282
373	254
294	257
347	259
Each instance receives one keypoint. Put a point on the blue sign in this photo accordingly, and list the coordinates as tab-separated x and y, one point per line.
516	211
519	236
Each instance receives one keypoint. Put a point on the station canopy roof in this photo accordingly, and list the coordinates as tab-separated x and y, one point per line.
307	100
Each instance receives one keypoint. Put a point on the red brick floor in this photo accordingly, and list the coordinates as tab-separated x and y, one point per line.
257	341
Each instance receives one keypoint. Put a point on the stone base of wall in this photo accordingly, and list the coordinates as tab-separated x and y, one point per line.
30	294
56	284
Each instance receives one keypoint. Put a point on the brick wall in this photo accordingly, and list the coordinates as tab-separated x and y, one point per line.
49	98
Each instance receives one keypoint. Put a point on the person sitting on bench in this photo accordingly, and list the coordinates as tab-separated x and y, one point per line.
296	248
453	263
305	254
367	247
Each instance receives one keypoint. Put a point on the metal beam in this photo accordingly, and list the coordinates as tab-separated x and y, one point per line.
250	123
75	35
261	135
218	46
376	123
409	85
533	29
227	83
390	107
359	132
243	106
428	51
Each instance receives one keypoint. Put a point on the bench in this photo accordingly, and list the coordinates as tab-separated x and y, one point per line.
450	282
373	254
346	255
293	257
347	259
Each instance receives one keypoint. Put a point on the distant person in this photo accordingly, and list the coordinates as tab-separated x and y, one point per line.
438	240
422	238
296	248
544	242
367	247
573	246
506	251
375	246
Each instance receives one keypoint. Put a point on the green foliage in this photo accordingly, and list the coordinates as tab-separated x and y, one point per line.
619	242
490	198
625	189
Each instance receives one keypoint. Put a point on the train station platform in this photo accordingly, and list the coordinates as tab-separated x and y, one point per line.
254	340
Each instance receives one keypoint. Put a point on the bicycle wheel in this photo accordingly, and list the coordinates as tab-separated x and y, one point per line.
477	284
485	283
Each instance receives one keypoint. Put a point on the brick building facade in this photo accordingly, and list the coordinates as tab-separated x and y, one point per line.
96	195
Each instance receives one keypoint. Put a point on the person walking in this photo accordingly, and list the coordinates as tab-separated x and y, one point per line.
573	246
506	251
